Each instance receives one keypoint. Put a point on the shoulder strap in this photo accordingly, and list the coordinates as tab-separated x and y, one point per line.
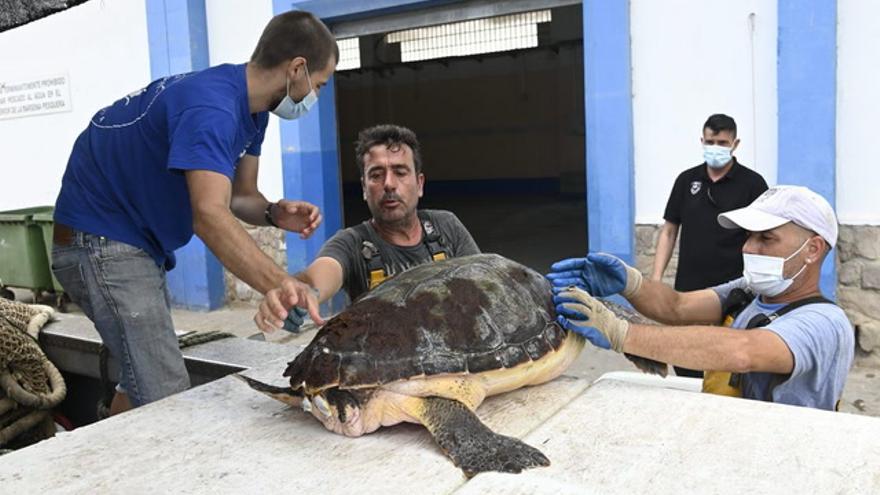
760	320
432	237
797	304
735	302
370	250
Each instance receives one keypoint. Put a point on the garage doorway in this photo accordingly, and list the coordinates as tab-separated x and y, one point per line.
501	126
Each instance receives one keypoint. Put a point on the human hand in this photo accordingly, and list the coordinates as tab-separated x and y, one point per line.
278	306
297	216
294	319
599	274
587	316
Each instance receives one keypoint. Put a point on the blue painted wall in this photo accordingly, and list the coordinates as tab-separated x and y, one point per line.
178	40
609	128
807	93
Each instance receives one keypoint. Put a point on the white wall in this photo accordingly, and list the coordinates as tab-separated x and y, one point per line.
234	26
858	106
693	58
102	47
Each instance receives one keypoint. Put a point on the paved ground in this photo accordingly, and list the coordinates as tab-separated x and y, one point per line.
861	396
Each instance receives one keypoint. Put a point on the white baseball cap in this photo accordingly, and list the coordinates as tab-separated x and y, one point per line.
782	204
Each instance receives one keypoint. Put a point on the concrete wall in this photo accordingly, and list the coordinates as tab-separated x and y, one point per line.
858	105
693	58
102	49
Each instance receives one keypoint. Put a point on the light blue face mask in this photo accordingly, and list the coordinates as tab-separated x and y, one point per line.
716	156
289	109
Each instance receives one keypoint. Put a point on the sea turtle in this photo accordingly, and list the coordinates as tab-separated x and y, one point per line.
427	347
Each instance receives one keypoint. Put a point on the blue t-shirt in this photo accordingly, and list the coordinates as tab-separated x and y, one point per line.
822	342
124	179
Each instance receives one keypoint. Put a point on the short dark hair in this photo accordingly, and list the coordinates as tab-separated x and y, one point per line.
720	122
295	34
392	136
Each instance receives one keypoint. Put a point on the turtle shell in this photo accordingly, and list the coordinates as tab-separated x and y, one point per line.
463	315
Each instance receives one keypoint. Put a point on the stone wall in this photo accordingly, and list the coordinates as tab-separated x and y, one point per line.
858	289
272	242
858	270
646	244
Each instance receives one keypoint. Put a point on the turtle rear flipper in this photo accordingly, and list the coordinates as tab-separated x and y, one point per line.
470	444
286	395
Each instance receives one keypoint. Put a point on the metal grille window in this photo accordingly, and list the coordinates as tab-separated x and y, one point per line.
349	54
493	34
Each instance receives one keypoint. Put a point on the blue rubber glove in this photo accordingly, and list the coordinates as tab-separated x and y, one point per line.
599	274
294	319
587	316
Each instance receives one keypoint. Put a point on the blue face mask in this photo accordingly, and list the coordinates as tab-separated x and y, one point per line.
288	109
716	156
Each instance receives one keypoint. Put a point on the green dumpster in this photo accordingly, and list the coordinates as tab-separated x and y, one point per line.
25	248
44	220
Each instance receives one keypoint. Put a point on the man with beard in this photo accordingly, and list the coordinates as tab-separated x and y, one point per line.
175	158
396	238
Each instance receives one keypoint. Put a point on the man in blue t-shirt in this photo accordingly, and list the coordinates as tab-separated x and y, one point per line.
799	354
175	158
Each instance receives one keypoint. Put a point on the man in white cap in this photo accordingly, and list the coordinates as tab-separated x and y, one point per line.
799	347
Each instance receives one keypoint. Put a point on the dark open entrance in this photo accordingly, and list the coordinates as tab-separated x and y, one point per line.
502	136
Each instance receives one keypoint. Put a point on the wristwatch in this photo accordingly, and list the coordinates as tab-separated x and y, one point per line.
268	214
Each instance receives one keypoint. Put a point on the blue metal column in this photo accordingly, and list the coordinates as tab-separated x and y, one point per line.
609	128
310	157
178	40
807	94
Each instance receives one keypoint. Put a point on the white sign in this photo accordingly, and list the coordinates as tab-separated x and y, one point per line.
34	97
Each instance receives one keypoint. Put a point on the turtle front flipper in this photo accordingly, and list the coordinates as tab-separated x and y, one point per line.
470	444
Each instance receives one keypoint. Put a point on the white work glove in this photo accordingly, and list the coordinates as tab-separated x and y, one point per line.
587	316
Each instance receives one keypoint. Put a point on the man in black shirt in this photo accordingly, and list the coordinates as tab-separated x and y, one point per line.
397	237
708	254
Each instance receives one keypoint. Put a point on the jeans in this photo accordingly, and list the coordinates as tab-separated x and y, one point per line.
122	290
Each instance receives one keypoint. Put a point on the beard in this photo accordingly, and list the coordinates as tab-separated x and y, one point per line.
399	216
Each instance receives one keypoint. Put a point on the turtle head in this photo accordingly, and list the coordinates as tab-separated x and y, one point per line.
339	410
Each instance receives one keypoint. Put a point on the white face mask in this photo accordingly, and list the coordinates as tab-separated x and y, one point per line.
288	109
716	156
764	274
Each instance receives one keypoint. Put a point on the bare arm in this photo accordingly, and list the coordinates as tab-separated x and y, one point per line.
665	246
248	203
210	196
662	303
711	348
325	275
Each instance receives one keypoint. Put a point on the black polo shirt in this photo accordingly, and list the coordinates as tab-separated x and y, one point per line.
709	254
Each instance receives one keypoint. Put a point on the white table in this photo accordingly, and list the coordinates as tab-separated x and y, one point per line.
614	437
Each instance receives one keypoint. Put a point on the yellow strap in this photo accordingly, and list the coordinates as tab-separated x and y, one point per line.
718	382
376	278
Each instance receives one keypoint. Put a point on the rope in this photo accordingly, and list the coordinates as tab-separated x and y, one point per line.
30	385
